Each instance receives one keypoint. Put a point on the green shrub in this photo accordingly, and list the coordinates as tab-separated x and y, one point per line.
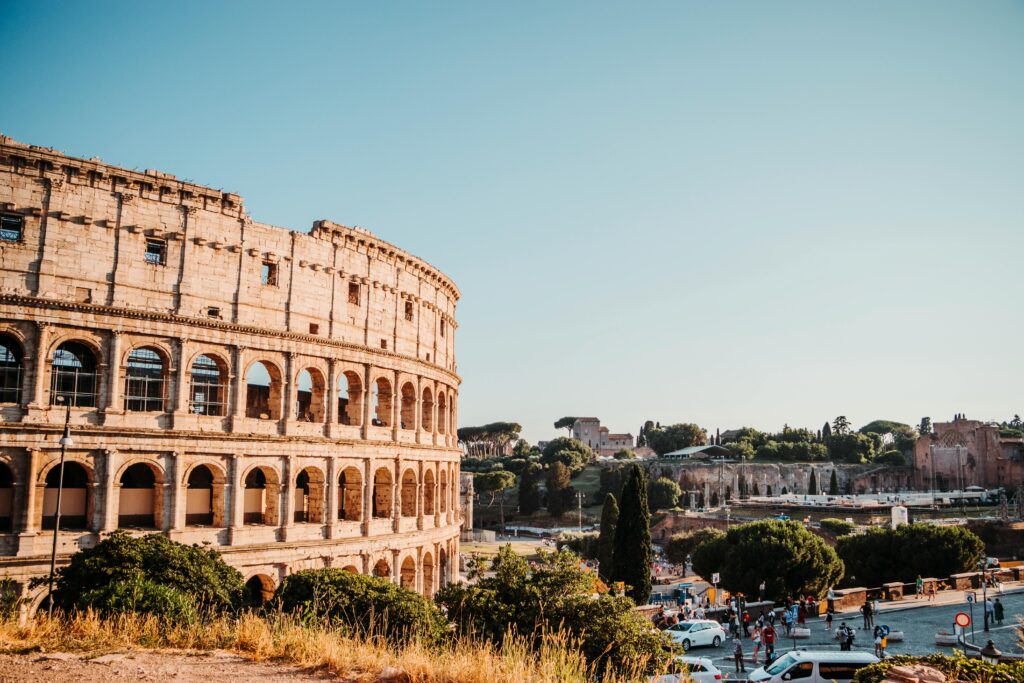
882	554
839	527
680	545
893	457
367	604
141	596
583	543
138	562
956	668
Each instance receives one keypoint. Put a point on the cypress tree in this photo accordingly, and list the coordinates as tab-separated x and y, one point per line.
768	490
757	492
559	489
529	495
833	485
812	484
606	539
631	563
826	431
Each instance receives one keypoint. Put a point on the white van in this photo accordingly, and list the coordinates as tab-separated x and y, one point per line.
806	666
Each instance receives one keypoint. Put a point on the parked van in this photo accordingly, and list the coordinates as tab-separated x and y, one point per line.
806	666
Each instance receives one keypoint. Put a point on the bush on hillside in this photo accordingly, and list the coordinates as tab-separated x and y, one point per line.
892	457
152	571
583	543
838	527
367	604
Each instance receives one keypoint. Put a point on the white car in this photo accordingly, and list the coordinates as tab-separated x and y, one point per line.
696	669
696	633
808	666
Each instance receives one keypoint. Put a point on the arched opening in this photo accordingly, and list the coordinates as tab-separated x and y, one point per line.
350	399
428	575
263	391
442	574
200	495
140	499
259	589
350	495
74	500
144	381
408	406
409	493
309	401
262	489
382	403
6	497
309	496
73	375
10	369
351	568
451	416
428	493
441	412
444	491
382	485
428	409
382	569
408	576
209	389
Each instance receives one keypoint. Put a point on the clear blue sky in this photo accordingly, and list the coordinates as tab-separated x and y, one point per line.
722	212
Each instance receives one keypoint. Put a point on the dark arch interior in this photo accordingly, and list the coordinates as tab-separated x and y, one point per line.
10	369
138	476
6	497
74	498
256	479
200	478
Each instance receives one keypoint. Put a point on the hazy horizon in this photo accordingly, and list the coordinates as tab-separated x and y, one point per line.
724	213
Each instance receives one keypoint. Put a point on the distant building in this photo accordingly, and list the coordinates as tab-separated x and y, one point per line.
968	453
698	453
589	431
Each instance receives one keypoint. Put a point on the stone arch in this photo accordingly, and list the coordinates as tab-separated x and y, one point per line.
407	577
350	398
382	493
408	493
350	495
428	575
6	497
262	493
145	372
408	413
12	359
382	569
309	496
204	495
441	412
76	505
140	498
444	489
263	391
309	395
427	409
428	492
382	402
259	589
73	373
208	384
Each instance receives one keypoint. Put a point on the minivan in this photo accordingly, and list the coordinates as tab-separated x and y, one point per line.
806	666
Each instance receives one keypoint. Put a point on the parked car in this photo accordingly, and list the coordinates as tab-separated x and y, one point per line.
697	633
696	669
807	666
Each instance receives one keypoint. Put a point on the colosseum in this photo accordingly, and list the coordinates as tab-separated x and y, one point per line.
287	398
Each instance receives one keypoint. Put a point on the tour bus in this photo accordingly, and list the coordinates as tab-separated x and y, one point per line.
805	666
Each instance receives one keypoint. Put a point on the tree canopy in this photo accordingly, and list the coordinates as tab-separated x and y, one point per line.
565	423
673	437
489	439
663	494
631	562
572	453
882	554
559	489
680	546
606	538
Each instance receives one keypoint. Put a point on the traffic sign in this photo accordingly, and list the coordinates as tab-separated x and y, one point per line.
715	578
970	598
962	620
884	631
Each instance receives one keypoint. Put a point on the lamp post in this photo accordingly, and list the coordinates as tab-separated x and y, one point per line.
990	654
65	441
984	590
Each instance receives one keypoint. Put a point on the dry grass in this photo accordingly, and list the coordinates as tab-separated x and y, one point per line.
281	639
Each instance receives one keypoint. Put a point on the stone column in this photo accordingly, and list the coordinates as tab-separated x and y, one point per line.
111	490
420	493
418	417
396	568
42	346
331	397
396	407
29	523
288	489
367	400
181	379
289	393
115	402
396	497
419	570
331	488
436	415
237	379
236	495
178	492
367	496
437	498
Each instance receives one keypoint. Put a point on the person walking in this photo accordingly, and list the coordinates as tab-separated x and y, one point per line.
756	640
829	613
737	654
768	636
931	591
865	610
998	611
990	610
801	613
746	623
918	587
760	591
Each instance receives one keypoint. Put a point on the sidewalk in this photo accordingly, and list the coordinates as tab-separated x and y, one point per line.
946	597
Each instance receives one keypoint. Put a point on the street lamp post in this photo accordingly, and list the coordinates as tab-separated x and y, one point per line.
65	441
984	590
990	654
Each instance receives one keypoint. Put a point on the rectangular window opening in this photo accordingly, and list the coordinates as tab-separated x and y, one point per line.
213	311
353	293
384	344
268	275
11	227
443	326
408	310
156	252
314	328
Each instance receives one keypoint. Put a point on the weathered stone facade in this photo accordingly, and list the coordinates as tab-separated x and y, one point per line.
288	398
968	452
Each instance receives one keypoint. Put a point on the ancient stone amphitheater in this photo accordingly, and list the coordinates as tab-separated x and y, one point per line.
287	398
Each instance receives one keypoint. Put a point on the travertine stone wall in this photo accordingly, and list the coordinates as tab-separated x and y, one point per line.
358	464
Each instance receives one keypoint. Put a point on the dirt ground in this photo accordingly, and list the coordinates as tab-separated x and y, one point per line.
204	667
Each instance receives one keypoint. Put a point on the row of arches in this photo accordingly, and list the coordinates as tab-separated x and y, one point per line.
75	377
141	487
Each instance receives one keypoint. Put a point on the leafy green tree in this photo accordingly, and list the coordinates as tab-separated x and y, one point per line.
583	543
892	457
707	551
554	594
565	423
606	538
812	484
926	426
490	439
611	480
789	558
841	425
152	572
625	454
839	527
742	449
367	604
792	451
523	449
663	494
680	546
881	554
882	427
631	562
667	439
850	448
833	484
495	484
559	489
529	493
572	453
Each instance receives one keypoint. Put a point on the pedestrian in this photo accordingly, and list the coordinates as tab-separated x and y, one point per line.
768	636
756	639
865	610
785	621
990	610
878	642
771	617
737	654
746	623
760	592
998	610
918	587
801	613
931	591
829	613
